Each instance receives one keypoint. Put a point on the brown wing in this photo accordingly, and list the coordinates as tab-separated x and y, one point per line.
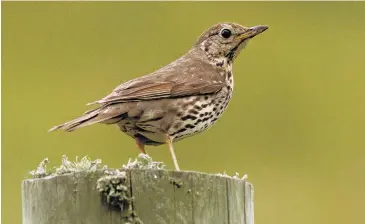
184	77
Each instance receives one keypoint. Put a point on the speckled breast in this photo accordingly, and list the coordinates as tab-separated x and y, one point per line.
200	113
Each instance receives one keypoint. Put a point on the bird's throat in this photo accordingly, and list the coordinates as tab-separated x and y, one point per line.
232	54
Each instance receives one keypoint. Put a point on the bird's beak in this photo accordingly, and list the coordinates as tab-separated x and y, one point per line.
252	31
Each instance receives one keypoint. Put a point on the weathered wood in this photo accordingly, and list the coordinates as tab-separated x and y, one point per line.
159	197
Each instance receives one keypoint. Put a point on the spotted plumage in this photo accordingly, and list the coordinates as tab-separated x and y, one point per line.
179	100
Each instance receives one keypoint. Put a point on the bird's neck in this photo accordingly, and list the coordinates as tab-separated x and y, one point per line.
224	67
220	62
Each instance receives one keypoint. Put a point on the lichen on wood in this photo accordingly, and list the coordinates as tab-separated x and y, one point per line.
236	176
114	189
144	161
114	186
67	166
41	170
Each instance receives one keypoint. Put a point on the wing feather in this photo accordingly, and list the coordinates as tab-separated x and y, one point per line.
183	77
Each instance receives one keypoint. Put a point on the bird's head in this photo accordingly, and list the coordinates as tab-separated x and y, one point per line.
227	39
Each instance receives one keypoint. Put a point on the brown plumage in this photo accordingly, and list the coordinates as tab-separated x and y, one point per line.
179	100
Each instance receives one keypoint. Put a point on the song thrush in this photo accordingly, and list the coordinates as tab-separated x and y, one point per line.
179	100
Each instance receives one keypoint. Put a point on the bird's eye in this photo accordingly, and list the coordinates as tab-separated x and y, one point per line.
226	33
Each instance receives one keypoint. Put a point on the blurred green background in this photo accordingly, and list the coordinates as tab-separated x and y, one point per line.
295	124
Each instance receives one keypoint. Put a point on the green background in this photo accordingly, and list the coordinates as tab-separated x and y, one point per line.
295	124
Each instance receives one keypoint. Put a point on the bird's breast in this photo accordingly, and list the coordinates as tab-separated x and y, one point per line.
200	113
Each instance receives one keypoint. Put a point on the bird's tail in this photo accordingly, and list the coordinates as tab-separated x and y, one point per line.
108	115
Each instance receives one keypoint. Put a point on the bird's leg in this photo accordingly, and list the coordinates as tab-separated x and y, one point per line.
140	145
171	148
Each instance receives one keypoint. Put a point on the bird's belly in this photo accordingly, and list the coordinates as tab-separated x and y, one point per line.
202	126
147	137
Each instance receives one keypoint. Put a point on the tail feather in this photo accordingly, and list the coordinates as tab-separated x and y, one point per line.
73	124
98	115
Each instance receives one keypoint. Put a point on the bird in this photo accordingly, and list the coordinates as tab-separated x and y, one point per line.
178	100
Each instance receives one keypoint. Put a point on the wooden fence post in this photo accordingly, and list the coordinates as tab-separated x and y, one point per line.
156	197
